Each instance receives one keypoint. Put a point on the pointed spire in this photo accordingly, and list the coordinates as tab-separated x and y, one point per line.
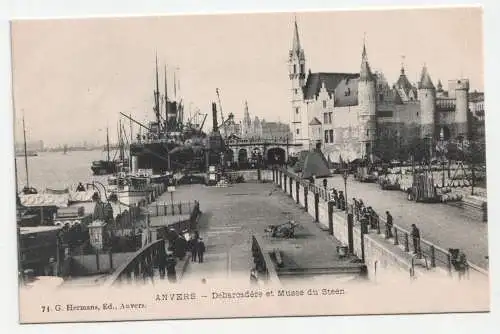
296	40
365	74
425	79
175	85
439	85
166	86
403	65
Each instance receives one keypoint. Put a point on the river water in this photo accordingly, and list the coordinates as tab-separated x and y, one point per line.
57	170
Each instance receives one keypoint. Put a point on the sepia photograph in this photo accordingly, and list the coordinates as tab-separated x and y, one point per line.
250	165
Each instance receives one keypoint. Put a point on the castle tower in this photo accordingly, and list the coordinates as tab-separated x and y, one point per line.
367	102
462	108
297	75
427	97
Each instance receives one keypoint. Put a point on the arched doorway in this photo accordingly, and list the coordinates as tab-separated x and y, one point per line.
276	156
242	157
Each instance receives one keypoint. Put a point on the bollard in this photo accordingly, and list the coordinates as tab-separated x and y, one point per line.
297	186
407	243
330	217
305	198
290	179
316	206
396	240
350	233
433	256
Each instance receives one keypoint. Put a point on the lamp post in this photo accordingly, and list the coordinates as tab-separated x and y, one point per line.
345	175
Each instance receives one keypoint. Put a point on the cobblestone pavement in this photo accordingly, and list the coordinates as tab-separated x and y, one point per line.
441	224
229	218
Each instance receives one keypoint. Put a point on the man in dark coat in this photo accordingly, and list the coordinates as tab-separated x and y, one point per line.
200	250
194	249
415	235
388	225
171	272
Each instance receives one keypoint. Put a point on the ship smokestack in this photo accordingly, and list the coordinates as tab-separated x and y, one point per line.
214	117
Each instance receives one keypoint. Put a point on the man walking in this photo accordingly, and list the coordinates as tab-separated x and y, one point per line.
200	250
388	225
171	272
194	249
415	235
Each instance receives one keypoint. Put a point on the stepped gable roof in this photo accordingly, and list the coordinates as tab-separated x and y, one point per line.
315	121
346	92
314	81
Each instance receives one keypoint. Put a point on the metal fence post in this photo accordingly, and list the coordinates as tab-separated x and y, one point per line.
407	243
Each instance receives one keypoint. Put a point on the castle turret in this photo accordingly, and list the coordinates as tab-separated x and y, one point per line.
367	107
462	107
427	97
297	75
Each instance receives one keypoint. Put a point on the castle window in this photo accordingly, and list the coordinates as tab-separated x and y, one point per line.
298	131
330	117
381	97
302	68
294	69
326	136
417	113
330	132
297	110
296	91
325	118
324	104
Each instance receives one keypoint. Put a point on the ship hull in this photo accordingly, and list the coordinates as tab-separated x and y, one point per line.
154	156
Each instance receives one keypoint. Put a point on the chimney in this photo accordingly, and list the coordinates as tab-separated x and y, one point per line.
214	116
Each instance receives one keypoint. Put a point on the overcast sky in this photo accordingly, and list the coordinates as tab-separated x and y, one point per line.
73	77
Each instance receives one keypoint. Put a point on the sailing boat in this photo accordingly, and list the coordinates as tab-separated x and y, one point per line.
27	189
105	167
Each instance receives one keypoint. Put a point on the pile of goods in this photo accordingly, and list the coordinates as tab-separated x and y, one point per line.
222	183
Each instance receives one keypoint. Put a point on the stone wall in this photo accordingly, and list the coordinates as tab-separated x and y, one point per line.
382	263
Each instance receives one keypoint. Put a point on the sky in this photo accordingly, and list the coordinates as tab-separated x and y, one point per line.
72	77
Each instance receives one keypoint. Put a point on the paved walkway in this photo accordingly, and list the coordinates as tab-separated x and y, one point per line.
441	224
231	215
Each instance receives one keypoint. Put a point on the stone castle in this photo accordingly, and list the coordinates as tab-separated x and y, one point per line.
354	115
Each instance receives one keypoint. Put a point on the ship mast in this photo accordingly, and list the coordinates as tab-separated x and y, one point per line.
157	98
107	141
26	155
166	96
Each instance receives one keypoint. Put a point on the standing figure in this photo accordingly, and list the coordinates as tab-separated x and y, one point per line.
415	235
200	250
194	249
171	272
388	225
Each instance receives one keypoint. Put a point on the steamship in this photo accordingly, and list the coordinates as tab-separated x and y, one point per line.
171	144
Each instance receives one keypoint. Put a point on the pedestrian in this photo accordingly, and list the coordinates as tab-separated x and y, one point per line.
162	265
388	225
194	249
170	264
200	250
415	235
